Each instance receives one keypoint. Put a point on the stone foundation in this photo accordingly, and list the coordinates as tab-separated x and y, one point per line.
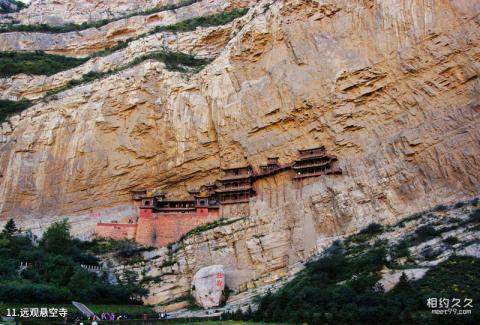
156	229
163	229
116	231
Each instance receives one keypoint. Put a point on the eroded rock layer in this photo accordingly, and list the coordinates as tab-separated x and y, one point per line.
87	41
53	12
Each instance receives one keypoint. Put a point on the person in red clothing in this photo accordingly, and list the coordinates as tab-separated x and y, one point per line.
145	316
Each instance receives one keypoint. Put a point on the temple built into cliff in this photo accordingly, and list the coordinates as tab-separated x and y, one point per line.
314	162
161	221
236	186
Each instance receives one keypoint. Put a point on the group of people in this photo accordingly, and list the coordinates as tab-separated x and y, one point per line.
112	316
106	317
162	315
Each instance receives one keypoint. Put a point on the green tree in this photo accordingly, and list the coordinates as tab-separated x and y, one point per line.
57	238
10	228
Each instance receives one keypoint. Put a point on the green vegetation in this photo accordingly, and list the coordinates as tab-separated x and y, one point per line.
450	240
342	285
174	61
169	262
208	226
39	63
182	26
10	107
102	246
326	293
36	63
9	7
44	28
366	234
474	217
54	273
203	21
126	250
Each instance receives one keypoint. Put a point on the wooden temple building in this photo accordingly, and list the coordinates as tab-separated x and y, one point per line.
162	221
272	167
236	186
205	198
314	162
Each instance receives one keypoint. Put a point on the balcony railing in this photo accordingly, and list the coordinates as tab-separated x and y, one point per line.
331	171
234	188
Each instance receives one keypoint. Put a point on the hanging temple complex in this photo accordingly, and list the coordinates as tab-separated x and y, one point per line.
161	221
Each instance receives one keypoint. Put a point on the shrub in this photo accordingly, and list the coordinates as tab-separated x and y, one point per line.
174	61
440	207
428	253
35	63
365	234
10	107
424	233
459	205
474	216
373	228
450	240
56	238
401	249
10	6
169	262
412	217
203	21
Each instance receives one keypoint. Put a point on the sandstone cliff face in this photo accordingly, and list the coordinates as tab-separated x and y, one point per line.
390	87
84	42
54	12
204	42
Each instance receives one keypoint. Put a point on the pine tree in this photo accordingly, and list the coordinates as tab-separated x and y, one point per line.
10	228
403	281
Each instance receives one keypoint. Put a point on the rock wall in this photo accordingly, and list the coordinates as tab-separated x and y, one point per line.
203	42
163	229
390	87
52	12
116	231
85	42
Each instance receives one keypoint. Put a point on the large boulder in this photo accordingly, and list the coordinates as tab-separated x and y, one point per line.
207	286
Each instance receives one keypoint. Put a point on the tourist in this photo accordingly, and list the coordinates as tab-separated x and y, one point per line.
145	316
94	322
